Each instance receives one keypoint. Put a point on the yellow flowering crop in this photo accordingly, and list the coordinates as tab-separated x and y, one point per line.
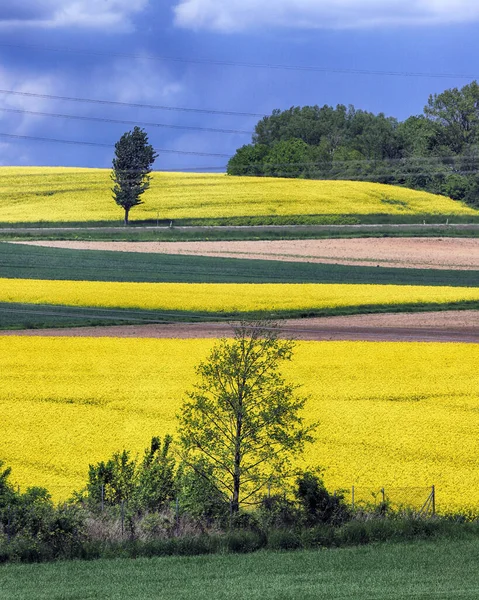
66	194
223	297
399	415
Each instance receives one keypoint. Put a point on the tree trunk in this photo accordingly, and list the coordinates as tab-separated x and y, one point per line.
237	465
127	211
236	491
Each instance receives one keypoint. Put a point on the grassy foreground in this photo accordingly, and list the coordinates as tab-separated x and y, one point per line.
421	570
32	194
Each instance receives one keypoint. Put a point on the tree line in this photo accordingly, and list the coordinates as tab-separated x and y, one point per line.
437	151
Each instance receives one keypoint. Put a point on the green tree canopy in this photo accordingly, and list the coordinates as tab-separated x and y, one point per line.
437	151
132	163
243	421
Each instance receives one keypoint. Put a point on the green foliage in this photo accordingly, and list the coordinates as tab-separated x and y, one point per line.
155	481
288	158
248	160
242	418
146	486
436	151
278	512
134	157
32	528
6	488
198	494
456	112
113	482
319	505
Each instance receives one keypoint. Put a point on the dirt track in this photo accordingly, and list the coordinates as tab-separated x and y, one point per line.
447	326
419	253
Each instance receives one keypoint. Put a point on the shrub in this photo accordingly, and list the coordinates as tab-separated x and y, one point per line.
242	542
321	536
278	512
283	540
319	506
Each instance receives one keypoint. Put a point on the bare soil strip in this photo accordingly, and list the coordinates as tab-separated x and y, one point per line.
415	253
447	326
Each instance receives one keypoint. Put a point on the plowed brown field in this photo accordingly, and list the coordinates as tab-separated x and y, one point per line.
447	326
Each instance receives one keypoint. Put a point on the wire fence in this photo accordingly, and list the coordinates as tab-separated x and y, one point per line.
418	500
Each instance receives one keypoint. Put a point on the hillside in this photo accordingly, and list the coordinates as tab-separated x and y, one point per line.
33	194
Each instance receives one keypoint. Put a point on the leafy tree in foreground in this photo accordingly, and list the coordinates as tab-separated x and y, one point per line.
242	418
148	485
134	157
155	486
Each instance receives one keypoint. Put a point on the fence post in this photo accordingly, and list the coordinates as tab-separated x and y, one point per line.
8	524
352	497
433	498
122	517
383	492
177	513
102	497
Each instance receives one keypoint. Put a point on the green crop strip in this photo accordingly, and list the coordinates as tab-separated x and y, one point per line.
30	262
17	316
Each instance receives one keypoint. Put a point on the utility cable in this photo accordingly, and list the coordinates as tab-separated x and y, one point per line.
249	65
134	104
100	145
124	122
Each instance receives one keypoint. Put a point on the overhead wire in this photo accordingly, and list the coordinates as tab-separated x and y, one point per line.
250	65
134	104
100	145
125	122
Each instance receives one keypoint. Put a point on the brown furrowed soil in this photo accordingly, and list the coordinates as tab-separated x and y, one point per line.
419	253
447	326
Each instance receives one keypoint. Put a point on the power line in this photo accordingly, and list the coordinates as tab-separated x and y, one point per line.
444	161
225	63
100	145
124	122
134	104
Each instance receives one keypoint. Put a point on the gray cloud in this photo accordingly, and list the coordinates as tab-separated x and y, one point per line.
240	15
54	14
123	80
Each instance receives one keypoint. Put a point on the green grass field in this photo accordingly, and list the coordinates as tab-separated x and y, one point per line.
41	316
36	262
422	570
165	234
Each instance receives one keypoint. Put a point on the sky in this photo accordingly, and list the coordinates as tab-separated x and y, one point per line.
213	57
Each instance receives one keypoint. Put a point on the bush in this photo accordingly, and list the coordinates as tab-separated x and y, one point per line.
284	540
242	542
354	533
321	536
319	506
277	512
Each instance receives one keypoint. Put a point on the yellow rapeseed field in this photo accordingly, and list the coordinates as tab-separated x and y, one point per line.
399	415
223	297
29	194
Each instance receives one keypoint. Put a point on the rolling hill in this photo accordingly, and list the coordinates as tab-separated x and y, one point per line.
57	194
